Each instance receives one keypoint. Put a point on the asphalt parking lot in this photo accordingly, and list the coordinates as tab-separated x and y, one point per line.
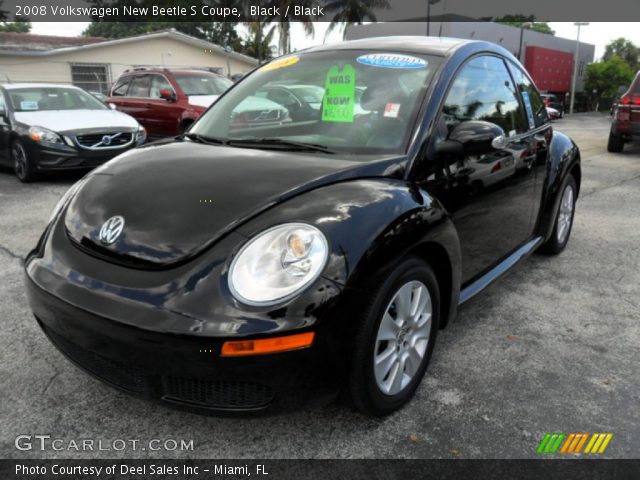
552	347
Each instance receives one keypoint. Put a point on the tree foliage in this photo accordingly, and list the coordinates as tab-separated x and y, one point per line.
200	26
221	33
607	76
625	49
284	21
260	35
21	25
352	12
130	29
520	20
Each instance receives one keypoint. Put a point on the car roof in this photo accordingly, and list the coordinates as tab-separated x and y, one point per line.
180	71
12	86
416	44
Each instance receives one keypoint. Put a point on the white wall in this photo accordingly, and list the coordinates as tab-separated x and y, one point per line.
57	68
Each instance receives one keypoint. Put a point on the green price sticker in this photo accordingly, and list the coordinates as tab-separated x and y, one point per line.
340	92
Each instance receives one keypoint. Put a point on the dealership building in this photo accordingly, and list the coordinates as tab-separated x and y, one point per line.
94	63
548	59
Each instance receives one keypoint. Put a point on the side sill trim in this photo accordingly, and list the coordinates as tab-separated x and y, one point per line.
496	272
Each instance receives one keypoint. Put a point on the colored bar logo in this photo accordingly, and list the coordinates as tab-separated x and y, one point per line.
565	443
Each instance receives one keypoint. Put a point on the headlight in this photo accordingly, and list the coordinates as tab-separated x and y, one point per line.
68	195
40	134
278	263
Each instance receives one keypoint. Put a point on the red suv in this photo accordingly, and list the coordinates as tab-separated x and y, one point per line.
625	126
166	101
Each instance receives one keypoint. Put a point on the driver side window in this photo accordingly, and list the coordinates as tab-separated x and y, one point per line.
158	82
530	93
483	90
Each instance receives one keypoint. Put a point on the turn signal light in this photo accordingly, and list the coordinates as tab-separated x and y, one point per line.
262	346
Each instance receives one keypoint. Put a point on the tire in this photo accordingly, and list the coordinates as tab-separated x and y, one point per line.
366	388
23	166
563	223
615	144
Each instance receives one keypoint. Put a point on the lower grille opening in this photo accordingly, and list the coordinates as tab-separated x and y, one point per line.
206	394
119	374
216	394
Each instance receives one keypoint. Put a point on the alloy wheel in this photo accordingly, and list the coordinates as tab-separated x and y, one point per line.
565	215
403	336
19	160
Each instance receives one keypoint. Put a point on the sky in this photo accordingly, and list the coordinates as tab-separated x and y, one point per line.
597	33
298	37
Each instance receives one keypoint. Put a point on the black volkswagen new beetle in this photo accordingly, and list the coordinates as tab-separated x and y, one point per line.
256	264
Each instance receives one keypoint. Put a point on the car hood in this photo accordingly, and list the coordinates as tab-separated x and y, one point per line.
202	100
177	199
77	120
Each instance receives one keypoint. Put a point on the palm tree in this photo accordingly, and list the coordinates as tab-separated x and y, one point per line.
258	44
284	21
352	12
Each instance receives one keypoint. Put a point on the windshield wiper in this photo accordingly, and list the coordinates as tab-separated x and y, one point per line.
196	137
281	142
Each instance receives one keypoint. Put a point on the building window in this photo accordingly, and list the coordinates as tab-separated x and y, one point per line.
92	77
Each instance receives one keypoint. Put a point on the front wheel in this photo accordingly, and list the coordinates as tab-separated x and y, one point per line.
564	219
398	328
22	165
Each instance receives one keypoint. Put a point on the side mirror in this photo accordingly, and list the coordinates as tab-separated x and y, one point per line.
166	94
112	106
4	117
478	137
473	137
476	131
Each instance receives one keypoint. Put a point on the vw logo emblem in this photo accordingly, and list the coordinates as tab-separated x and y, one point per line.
111	230
106	140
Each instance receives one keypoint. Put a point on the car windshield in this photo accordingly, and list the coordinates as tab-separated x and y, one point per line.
37	99
203	84
351	101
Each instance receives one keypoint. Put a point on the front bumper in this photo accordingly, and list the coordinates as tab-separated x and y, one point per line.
183	371
50	157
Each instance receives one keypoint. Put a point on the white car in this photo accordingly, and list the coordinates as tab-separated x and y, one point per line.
552	113
47	127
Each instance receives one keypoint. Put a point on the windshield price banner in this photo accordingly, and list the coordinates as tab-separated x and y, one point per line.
339	98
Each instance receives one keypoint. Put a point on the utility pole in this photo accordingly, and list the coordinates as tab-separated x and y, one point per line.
575	66
429	3
526	25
